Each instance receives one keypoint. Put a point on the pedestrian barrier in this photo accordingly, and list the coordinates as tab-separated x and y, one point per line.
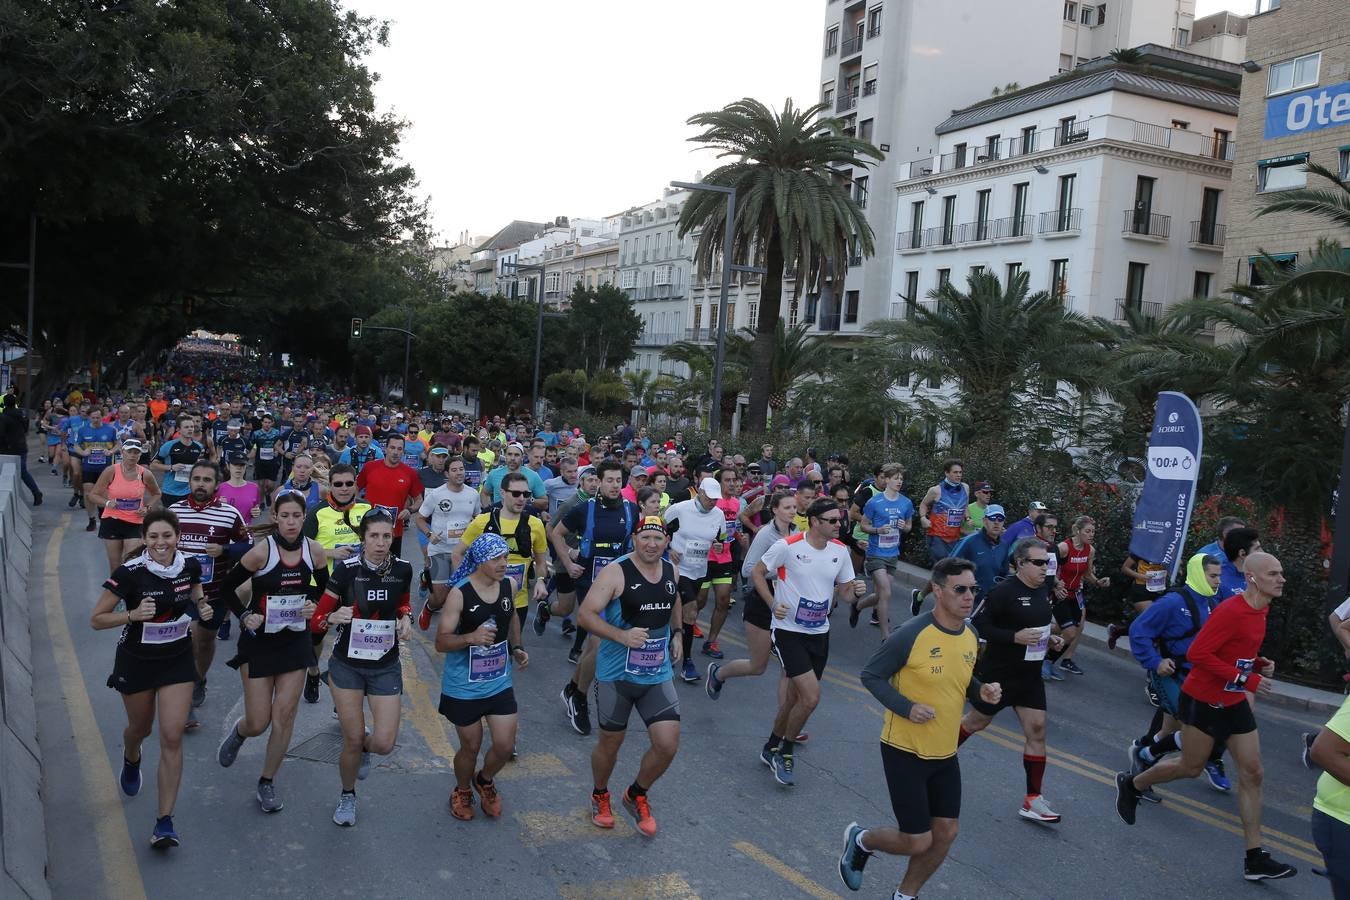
23	832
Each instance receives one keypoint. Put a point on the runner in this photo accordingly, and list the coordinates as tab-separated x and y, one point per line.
445	513
393	485
886	518
514	456
1014	621
232	445
123	494
243	495
286	571
175	460
721	559
364	450
1331	805
367	599
811	569
524	536
923	699
95	444
266	451
987	550
633	610
1074	564
1226	666
1150	580
153	668
588	486
695	525
302	480
294	441
476	681
1026	527
942	513
984	495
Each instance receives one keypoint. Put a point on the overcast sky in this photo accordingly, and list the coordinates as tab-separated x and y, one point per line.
534	109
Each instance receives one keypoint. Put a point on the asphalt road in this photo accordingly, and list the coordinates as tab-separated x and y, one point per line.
727	830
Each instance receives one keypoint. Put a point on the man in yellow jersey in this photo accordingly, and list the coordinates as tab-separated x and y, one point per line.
923	674
524	536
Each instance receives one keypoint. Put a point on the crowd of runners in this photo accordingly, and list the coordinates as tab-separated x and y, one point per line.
234	507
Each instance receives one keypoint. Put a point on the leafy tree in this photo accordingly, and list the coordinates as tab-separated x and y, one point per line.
793	212
602	327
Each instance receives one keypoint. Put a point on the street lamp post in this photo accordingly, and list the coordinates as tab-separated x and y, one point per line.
407	348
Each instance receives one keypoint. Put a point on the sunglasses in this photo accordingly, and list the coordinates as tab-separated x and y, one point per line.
517	493
963	589
1037	562
342	484
831	520
995	518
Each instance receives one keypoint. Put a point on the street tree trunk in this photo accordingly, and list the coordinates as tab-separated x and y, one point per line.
761	353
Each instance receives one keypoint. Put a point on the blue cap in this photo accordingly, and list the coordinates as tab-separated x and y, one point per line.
993	510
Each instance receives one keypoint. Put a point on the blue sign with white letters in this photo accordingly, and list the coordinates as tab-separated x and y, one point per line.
1310	110
1163	512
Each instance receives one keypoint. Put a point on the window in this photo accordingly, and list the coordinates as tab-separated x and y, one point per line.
944	277
629	278
1282	173
793	313
983	199
1223	145
851	306
1086	15
874	22
712	315
1283	261
915	224
948	218
752	315
1070	11
552	282
976	270
1183	37
865	130
1019	208
1064	205
661	275
1292	74
1180	124
698	317
1209	215
1059	278
911	295
959	155
623	257
1345	164
991	147
1200	287
646	247
832	41
860	190
1014	269
1028	139
731	317
1101	14
1067	132
1134	284
827	92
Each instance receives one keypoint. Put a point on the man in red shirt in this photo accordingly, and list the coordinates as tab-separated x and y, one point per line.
391	483
1226	667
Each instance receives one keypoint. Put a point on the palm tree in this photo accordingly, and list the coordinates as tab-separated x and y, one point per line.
1332	204
797	354
646	390
793	209
994	343
691	391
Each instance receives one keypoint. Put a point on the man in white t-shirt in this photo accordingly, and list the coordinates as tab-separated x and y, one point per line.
444	514
810	568
697	524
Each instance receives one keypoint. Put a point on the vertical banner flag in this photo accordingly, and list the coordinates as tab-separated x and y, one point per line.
1163	513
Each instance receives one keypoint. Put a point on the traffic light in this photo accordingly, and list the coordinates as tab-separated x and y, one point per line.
356	329
435	389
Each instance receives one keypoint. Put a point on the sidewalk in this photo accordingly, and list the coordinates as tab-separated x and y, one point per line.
1285	694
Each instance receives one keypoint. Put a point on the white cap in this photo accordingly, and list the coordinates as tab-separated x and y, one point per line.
711	488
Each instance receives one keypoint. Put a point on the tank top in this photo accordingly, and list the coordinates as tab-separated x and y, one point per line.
1075	567
476	672
375	599
128	496
643	604
731	511
280	590
948	513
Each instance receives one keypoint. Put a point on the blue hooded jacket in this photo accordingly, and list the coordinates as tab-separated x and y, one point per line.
1169	619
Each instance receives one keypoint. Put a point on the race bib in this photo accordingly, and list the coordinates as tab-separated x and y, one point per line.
265	453
599	563
370	639
516	573
812	613
127	504
487	663
473	477
412	459
1243	665
1036	652
1051	564
649	659
180	476
208	566
283	612
96	458
165	632
393	513
696	550
955	517
1156	580
889	540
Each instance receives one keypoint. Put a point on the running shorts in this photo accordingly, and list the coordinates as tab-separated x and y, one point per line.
118	530
688	589
132	674
385	680
720	573
1067	612
466	712
439	568
754	610
874	563
1025	691
921	789
800	653
1219	722
939	549
616	700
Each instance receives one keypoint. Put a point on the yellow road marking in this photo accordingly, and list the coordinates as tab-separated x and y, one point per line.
122	874
668	887
424	715
786	872
535	765
1203	812
543	828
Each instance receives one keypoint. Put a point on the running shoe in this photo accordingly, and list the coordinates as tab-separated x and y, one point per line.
424	586
1127	797
641	811
1261	867
766	756
268	801
1038	810
601	813
193	723
1137	762
345	814
574	702
1113	634
90	526
802	738
1306	741
1048	672
698	632
915	602
1152	693
852	860
690	673
312	687
712	684
37	498
574	655
541	617
424	617
229	747
1218	779
853	613
569	627
1070	666
130	778
488	797
713	650
198	693
74	499
875	621
164	837
223	633
461	803
782	768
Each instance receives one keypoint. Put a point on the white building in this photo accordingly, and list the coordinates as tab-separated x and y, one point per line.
655	269
892	70
1108	186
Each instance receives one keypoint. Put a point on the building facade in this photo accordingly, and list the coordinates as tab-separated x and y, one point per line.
1295	110
655	270
1108	187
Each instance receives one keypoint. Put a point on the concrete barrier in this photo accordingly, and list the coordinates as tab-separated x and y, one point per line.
23	831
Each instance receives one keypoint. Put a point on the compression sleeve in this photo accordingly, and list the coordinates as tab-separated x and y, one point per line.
230	589
890	658
311	527
320	580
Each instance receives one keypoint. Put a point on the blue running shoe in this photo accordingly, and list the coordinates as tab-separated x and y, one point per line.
713	684
1218	779
131	777
782	769
690	674
164	837
852	860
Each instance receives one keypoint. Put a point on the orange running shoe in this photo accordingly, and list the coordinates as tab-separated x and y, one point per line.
641	811
424	617
461	803
698	632
601	813
489	798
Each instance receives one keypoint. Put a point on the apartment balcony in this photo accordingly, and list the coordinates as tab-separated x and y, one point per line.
1142	225
659	338
846	101
655	292
483	261
828	321
1151	309
1061	223
851	47
700	335
1207	235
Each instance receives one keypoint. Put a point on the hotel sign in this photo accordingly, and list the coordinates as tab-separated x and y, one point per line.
1310	110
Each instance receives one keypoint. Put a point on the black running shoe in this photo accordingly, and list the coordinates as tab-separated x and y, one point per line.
311	688
541	617
915	602
1259	866
1127	797
853	613
198	693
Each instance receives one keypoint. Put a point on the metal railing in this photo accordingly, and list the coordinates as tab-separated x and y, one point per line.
848	100
1208	234
1146	224
855	260
828	321
655	292
851	46
831	50
903	309
1061	221
1152	309
658	338
860	201
874	31
700	335
869	89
